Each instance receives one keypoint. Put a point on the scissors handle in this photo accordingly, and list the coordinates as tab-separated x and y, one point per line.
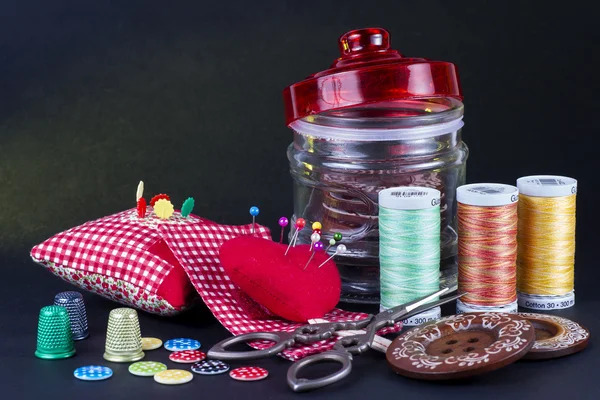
303	384
282	340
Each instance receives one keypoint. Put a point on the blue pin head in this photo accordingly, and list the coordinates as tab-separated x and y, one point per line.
254	211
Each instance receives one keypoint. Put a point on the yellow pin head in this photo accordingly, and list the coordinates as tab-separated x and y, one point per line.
163	209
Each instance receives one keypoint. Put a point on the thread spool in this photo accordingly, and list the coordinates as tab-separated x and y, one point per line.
546	253
487	247
409	247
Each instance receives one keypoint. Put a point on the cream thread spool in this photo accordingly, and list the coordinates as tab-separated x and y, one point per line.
485	195
544	186
409	258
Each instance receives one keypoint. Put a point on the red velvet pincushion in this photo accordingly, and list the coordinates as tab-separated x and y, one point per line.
278	281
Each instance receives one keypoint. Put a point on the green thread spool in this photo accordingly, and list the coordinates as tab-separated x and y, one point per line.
409	244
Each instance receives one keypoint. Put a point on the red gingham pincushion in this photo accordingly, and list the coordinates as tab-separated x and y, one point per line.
122	257
136	261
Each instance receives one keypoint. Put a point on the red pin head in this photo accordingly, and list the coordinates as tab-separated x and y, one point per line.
300	224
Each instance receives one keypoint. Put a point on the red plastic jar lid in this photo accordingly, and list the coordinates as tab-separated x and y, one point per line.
370	74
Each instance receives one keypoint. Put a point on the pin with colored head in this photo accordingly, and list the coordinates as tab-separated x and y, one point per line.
331	243
336	238
140	191
318	246
316	227
299	225
141	207
141	202
187	207
283	222
341	249
314	238
254	211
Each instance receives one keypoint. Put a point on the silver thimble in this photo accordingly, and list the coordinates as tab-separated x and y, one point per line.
123	336
73	302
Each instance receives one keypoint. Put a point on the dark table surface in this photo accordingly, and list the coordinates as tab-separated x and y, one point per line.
23	376
97	95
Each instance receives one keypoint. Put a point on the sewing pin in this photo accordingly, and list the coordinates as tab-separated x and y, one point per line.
341	249
283	221
317	247
140	191
314	238
331	243
300	223
254	211
336	238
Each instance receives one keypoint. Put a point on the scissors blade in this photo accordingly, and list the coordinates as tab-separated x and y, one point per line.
312	333
389	317
424	303
358	344
428	306
426	299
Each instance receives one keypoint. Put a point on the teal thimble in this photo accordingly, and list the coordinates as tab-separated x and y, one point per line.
54	338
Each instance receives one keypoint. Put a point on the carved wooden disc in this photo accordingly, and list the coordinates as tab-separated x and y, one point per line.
460	346
555	336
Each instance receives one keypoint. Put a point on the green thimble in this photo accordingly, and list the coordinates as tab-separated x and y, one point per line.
54	338
123	336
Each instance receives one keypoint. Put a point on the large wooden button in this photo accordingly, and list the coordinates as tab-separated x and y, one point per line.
461	346
555	336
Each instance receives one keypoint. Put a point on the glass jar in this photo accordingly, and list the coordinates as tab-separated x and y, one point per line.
369	139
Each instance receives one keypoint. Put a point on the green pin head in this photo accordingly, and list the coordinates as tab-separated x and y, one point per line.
187	207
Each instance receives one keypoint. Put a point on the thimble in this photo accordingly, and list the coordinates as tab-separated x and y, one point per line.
54	338
73	302
123	336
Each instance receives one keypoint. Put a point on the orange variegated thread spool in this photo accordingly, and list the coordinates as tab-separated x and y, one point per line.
546	254
487	247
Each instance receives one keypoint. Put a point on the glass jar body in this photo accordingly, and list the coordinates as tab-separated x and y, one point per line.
338	173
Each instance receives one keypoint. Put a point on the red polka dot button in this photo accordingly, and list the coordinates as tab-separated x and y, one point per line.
187	356
249	374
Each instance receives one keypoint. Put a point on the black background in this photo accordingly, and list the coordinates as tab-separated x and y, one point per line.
95	96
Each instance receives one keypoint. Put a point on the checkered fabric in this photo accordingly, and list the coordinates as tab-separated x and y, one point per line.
115	246
197	248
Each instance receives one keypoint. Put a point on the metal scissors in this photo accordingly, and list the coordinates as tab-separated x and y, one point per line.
343	349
